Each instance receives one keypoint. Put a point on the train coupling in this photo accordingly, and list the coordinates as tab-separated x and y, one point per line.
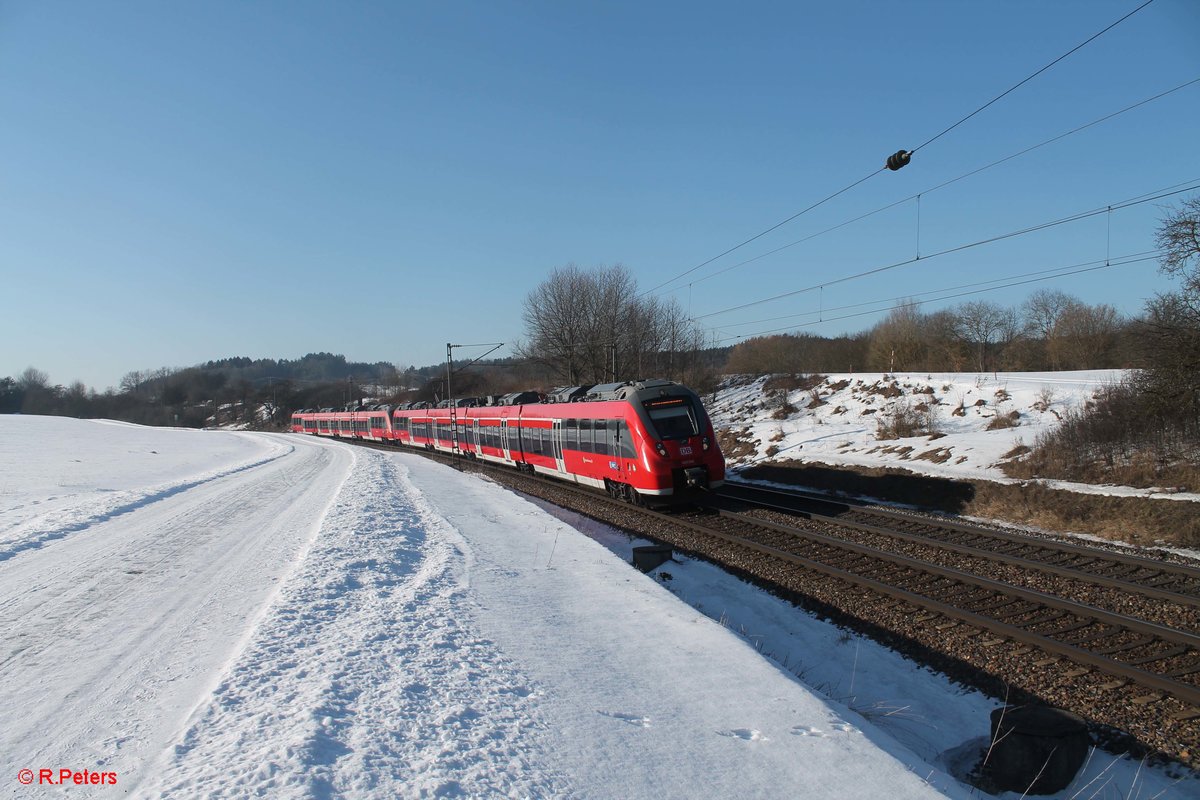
696	477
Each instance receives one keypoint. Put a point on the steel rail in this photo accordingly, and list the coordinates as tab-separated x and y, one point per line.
1070	606
1181	691
1176	570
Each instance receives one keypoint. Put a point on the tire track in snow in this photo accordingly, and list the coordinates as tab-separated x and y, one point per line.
368	677
32	533
113	638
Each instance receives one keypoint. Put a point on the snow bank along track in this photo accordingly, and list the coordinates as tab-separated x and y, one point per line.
1107	635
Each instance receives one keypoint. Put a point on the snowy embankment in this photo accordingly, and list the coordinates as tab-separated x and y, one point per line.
976	421
280	616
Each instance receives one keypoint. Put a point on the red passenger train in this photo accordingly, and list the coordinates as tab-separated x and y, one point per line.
642	441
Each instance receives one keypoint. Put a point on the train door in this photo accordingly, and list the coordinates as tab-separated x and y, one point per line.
616	456
504	440
556	437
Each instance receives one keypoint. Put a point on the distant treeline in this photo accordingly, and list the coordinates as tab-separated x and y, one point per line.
216	392
1050	331
235	390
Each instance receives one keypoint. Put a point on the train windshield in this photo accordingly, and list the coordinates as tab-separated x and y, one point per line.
673	417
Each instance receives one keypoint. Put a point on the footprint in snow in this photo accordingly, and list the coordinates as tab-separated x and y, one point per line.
637	720
844	727
745	734
808	730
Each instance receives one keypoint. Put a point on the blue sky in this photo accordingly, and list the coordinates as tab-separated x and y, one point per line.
180	182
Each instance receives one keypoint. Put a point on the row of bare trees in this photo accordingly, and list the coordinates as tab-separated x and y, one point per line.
590	326
1050	331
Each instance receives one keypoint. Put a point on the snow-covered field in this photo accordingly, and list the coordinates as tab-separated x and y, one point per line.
212	614
837	421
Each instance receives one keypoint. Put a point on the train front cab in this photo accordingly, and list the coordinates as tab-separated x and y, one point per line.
682	439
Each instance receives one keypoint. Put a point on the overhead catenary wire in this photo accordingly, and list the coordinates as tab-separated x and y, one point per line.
1187	186
949	182
1096	265
893	162
931	295
1016	86
685	273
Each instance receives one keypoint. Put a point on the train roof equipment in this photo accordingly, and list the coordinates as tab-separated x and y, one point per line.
567	394
520	398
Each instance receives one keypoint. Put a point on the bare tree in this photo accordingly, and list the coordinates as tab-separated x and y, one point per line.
1085	336
555	316
1179	237
590	326
33	379
896	342
131	382
945	350
979	326
1170	340
36	394
1009	335
1170	334
1042	311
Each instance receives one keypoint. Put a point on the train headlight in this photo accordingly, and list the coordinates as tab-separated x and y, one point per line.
661	448
704	442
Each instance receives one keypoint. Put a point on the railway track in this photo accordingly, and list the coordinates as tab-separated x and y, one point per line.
1130	649
1130	661
1153	578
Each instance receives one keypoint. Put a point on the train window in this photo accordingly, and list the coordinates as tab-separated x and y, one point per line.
572	439
585	436
674	418
603	447
614	437
626	444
